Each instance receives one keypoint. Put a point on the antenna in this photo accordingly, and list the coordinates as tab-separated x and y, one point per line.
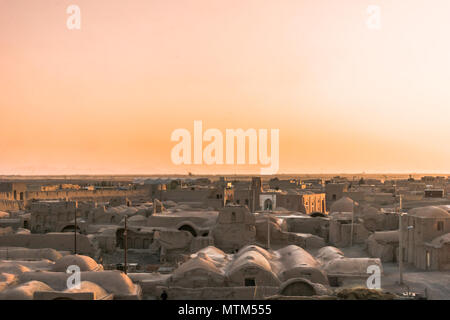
125	234
75	226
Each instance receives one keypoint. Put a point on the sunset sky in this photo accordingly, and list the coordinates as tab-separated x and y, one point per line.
105	99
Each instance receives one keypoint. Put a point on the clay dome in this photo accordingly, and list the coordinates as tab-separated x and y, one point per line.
4	215
201	261
87	286
441	240
135	220
329	253
370	211
13	267
24	291
113	281
429	212
344	204
22	231
84	262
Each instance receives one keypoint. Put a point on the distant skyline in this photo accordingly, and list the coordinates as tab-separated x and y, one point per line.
105	99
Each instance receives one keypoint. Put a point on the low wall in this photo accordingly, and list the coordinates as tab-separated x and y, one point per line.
85	194
217	293
11	205
183	195
57	241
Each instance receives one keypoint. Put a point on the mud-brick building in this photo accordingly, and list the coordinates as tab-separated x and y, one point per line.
425	233
299	201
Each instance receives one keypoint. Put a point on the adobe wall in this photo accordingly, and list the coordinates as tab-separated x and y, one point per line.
85	194
235	228
317	226
183	195
335	191
10	205
424	230
57	241
217	293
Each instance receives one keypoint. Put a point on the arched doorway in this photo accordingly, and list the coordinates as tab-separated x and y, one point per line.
189	229
297	288
268	204
70	228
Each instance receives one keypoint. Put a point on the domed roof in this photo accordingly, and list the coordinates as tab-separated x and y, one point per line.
85	263
88	286
22	231
441	240
429	212
250	258
252	247
215	254
4	215
24	291
13	268
293	256
367	211
201	261
137	217
7	277
329	253
344	204
113	281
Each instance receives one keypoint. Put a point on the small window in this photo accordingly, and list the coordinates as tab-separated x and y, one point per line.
440	225
249	282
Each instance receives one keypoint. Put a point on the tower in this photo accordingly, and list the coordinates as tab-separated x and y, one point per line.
255	191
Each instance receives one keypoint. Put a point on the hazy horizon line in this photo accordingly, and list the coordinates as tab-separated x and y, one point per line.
220	174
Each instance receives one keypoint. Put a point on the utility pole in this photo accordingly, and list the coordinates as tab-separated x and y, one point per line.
268	232
400	241
253	197
224	202
75	226
248	202
400	248
351	227
125	245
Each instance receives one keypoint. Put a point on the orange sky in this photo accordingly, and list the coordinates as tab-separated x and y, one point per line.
105	99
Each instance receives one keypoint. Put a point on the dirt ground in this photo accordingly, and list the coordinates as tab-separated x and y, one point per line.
433	284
